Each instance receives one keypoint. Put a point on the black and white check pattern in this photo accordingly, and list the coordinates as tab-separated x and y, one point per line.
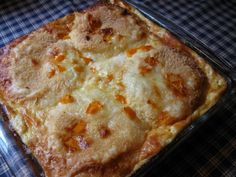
211	151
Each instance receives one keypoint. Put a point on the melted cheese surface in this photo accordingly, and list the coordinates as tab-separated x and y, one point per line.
104	91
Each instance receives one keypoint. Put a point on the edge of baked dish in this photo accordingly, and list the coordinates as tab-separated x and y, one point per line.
213	90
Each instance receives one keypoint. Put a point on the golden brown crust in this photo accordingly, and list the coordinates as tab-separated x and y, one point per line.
95	29
5	80
99	92
179	68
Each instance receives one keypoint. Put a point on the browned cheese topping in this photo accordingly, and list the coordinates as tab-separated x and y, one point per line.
97	92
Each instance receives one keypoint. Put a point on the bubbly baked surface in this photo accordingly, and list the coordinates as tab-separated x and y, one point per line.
98	92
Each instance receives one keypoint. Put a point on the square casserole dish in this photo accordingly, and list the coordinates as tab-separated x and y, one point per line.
106	92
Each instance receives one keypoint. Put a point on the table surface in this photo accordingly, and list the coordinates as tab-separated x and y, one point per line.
211	151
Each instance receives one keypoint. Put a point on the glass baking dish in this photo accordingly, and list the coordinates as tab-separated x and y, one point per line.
17	156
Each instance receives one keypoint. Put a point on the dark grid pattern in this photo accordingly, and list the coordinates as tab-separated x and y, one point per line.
211	151
212	21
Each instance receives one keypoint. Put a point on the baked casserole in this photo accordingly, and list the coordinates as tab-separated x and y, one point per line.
98	92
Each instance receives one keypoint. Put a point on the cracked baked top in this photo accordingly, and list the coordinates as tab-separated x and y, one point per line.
98	92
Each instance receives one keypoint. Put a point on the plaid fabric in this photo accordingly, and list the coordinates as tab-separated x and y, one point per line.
211	151
12	161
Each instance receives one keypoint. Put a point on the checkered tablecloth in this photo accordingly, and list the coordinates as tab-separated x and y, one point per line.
211	151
